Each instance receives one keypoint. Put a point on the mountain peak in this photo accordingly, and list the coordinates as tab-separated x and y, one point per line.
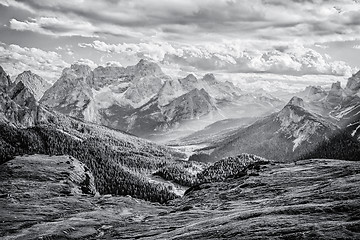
312	90
193	104
4	80
27	72
209	78
80	69
191	78
143	62
336	86
335	91
23	96
296	101
33	82
353	83
146	67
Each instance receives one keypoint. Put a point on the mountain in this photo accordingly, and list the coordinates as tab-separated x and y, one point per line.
72	93
5	81
353	84
33	82
144	101
312	93
114	158
214	132
18	105
301	128
193	104
339	106
64	178
281	136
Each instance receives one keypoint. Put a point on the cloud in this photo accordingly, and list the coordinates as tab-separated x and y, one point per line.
113	64
207	35
67	26
210	20
292	59
85	61
321	46
356	46
16	59
155	51
54	26
16	4
274	82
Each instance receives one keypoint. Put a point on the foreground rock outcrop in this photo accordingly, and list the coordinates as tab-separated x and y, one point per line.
309	199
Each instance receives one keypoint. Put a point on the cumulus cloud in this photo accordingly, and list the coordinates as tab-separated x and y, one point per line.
208	35
85	61
356	46
231	57
113	64
16	59
154	51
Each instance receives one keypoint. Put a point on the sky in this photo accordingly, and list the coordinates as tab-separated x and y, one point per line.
231	38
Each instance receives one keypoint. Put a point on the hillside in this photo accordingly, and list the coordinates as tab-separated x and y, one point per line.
282	136
41	198
121	163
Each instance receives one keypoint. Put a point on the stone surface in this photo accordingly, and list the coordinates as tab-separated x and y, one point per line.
353	83
309	199
33	82
4	80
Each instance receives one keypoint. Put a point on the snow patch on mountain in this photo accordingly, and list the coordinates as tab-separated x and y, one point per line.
304	132
355	131
343	113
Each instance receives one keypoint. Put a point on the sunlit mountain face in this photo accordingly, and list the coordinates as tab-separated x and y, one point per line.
214	119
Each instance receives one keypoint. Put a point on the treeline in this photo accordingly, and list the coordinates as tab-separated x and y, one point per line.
341	145
184	174
115	171
230	167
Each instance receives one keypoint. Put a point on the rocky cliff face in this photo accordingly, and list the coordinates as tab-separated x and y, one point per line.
301	126
81	92
282	136
313	93
72	92
4	80
296	101
339	106
33	82
335	95
353	84
18	105
169	91
191	105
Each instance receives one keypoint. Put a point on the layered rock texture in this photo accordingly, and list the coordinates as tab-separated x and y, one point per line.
41	198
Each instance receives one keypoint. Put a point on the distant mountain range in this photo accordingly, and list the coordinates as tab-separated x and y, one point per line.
217	116
299	128
144	101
